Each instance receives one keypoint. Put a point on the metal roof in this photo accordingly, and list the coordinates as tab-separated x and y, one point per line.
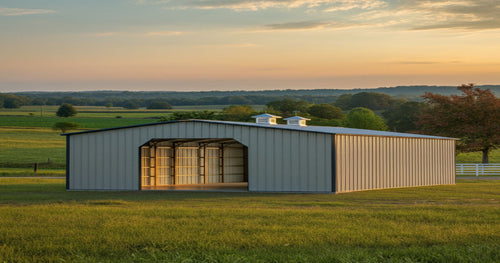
318	129
296	118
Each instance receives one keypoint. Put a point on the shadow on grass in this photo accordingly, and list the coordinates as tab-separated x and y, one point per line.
46	191
39	190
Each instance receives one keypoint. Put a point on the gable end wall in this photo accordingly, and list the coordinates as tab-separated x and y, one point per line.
278	160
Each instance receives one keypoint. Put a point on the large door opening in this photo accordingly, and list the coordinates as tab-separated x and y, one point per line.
194	164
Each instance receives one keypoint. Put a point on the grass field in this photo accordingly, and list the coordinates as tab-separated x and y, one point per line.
20	147
41	222
476	157
96	111
85	123
89	117
22	172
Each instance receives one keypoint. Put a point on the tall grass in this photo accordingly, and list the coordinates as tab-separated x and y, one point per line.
42	222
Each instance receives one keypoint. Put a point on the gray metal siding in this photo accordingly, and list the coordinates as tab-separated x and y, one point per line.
278	159
375	162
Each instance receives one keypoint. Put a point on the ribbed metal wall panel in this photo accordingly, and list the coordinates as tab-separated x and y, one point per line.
375	162
278	160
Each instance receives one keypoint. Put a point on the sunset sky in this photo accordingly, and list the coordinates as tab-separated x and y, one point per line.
246	45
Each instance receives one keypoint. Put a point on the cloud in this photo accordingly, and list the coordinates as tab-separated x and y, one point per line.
346	5
302	25
230	45
437	14
472	25
241	45
416	62
466	14
423	62
145	34
256	5
107	34
406	14
163	33
21	12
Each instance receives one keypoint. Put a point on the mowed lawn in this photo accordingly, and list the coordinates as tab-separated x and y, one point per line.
41	222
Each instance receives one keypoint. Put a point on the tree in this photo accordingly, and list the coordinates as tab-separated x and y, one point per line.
403	117
238	113
288	107
11	101
201	115
363	118
473	116
66	110
326	111
370	100
38	101
131	105
158	104
343	101
237	100
65	126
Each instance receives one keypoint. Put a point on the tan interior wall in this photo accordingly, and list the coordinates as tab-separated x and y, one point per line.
162	163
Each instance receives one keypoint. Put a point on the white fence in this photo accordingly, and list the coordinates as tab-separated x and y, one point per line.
478	169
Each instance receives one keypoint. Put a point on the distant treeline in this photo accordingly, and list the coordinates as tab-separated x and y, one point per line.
398	91
13	101
160	99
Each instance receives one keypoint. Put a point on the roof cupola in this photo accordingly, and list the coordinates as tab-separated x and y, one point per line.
297	121
266	118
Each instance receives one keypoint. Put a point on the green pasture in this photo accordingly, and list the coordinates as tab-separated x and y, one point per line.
90	117
22	147
22	172
41	222
51	110
477	157
85	123
96	111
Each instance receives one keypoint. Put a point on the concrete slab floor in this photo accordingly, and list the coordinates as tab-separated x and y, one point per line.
219	187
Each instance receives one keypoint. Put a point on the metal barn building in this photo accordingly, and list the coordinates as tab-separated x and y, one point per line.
261	157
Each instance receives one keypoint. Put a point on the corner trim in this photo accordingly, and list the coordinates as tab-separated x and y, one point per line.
334	165
140	169
67	161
